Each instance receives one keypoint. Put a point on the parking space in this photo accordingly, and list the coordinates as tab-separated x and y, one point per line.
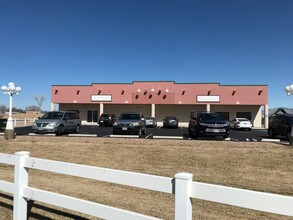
158	133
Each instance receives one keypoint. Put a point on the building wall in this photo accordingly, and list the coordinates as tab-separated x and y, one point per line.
181	111
161	99
161	93
255	112
118	109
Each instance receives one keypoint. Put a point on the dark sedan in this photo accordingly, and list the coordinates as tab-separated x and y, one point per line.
170	122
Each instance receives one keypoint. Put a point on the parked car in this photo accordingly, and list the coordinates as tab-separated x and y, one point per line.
170	122
207	124
3	122
240	123
150	121
130	123
57	122
107	119
280	124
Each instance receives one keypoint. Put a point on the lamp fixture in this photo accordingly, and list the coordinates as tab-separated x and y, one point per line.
289	89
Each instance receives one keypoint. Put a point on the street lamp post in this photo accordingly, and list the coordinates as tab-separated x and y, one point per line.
289	91
10	90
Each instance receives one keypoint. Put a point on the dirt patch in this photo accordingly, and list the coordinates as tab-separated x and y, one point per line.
260	166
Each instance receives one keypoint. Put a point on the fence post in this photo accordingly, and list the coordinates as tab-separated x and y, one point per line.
183	205
20	181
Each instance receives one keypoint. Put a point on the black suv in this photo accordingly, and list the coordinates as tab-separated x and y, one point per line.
207	124
130	123
107	119
3	123
280	124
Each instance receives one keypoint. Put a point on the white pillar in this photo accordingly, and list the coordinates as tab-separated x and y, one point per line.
20	181
208	107
101	108
266	116
52	106
183	205
153	110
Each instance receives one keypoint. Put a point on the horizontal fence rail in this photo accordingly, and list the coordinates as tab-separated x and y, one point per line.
23	121
181	186
144	181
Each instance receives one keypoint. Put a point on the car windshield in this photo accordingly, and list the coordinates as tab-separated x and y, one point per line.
52	115
209	117
171	118
129	117
243	119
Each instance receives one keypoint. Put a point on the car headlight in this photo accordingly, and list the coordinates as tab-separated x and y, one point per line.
135	124
52	124
226	124
203	124
115	124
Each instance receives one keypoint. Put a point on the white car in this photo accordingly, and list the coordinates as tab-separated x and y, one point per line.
240	123
150	121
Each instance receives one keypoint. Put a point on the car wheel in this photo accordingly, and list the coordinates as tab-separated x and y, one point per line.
144	132
272	134
60	130
191	135
139	132
77	129
289	135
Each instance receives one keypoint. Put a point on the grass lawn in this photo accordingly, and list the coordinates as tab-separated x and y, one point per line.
260	166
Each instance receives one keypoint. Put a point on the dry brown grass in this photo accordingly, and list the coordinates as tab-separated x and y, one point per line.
249	165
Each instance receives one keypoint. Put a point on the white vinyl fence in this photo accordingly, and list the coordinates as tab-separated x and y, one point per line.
181	186
23	122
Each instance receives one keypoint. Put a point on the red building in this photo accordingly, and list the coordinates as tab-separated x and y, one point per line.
159	99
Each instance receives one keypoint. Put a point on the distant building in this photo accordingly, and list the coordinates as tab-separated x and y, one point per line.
159	99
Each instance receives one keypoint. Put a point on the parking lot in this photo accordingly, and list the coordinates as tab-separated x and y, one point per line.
158	132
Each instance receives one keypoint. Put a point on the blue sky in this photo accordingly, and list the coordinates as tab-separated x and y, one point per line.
71	42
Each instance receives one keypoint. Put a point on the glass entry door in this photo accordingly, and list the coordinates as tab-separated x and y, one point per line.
92	116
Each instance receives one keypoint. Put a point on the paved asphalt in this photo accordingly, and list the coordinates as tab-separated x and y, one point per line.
180	133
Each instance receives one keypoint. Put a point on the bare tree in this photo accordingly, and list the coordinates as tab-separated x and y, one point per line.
3	108
40	101
32	108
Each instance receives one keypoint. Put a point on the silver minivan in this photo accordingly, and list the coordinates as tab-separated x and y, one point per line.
57	122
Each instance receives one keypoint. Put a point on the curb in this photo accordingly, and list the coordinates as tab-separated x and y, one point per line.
270	140
167	137
33	134
82	135
125	136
